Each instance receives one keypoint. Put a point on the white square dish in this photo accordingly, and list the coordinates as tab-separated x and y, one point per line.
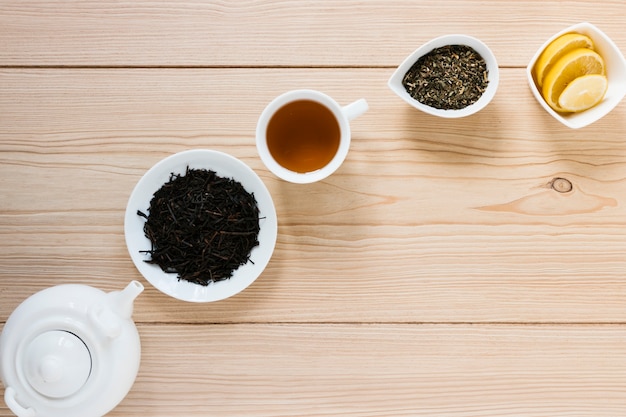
615	71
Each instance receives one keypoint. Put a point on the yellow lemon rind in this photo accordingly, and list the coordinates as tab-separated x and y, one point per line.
574	64
556	50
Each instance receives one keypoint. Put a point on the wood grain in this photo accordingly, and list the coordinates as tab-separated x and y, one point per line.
443	270
379	370
279	33
428	225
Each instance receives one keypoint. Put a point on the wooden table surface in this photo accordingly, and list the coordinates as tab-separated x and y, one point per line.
436	273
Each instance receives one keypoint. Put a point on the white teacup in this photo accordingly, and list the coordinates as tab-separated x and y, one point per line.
303	136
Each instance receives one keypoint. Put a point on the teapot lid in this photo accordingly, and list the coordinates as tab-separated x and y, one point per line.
56	363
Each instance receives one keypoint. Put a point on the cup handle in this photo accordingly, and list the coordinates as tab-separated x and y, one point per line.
354	110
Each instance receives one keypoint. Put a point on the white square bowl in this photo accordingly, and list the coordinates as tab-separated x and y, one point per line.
395	82
615	72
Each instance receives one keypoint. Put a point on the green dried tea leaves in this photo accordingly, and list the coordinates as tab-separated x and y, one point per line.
451	77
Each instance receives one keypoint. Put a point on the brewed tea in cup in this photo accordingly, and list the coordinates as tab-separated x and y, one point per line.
303	136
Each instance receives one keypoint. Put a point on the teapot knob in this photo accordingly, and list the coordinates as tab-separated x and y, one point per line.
51	368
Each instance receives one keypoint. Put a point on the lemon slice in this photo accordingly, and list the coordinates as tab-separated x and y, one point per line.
557	49
583	93
574	64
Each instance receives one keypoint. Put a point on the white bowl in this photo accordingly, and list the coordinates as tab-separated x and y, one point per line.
223	165
615	71
395	82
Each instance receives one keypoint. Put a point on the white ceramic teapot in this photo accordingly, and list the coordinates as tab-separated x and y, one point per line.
70	351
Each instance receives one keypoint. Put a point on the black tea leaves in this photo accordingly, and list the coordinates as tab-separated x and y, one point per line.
201	226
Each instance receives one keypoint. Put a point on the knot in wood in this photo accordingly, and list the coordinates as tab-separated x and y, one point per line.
561	185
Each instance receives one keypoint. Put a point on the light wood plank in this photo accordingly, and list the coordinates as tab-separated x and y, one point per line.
283	33
421	224
436	273
378	370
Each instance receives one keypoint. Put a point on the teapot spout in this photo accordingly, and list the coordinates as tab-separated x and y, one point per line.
122	301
